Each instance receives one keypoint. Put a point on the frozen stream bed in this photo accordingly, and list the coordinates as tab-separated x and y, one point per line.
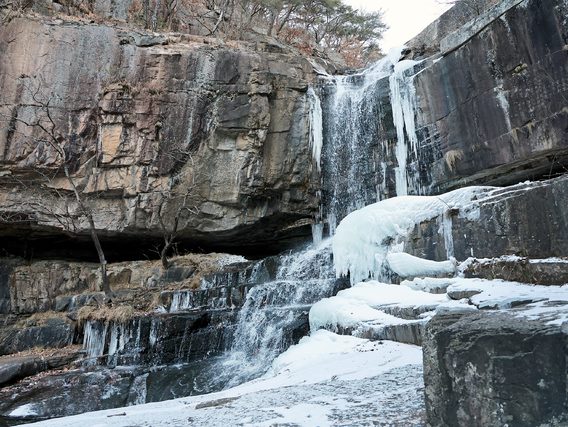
325	380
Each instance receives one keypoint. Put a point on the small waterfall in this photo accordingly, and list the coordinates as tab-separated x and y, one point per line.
274	315
181	300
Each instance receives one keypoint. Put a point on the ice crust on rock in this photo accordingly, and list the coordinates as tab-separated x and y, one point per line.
363	303
365	237
406	265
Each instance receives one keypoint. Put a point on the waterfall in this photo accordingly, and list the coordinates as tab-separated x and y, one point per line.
274	315
362	136
358	143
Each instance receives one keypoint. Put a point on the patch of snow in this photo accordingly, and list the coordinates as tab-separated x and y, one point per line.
226	260
406	265
326	379
549	261
24	411
502	294
429	284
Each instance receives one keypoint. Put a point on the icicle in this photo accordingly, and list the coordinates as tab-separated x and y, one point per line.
94	340
316	126
181	300
446	230
403	101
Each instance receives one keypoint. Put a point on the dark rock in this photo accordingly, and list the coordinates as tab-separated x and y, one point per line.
494	110
494	368
49	333
157	114
528	220
64	393
539	272
457	294
15	368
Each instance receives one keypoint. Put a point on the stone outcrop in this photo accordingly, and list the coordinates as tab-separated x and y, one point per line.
528	220
549	271
152	124
493	110
491	368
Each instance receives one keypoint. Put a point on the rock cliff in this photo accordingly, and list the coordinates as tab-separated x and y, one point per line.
492	109
153	123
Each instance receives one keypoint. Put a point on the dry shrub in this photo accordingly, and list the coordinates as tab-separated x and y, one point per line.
118	314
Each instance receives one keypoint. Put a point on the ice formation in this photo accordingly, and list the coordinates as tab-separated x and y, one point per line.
316	126
403	101
365	237
362	303
406	265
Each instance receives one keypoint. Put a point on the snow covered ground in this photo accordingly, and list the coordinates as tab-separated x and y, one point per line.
325	380
338	380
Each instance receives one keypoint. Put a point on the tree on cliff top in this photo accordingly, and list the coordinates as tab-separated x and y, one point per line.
330	24
52	138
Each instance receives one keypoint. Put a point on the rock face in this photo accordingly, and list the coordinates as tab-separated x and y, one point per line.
493	110
527	220
488	368
154	126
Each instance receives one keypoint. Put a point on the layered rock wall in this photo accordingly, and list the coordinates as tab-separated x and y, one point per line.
154	124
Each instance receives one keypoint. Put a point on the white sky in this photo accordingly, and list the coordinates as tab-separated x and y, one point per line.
406	18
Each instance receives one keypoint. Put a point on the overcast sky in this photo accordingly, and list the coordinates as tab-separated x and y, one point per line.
406	18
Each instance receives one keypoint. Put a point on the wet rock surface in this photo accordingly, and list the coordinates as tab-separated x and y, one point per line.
494	110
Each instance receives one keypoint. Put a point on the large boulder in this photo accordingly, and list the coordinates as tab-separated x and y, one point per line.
495	368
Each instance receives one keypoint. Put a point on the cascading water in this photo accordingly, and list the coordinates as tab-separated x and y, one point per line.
275	314
355	152
361	146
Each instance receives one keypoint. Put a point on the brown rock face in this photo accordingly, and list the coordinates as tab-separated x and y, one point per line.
148	121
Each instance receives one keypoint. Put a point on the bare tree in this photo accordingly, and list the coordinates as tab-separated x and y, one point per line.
177	204
51	135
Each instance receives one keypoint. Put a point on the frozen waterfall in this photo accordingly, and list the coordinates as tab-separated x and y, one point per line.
364	158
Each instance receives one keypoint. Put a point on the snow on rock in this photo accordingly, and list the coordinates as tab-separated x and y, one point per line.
367	302
429	284
544	303
501	294
324	380
365	237
406	265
